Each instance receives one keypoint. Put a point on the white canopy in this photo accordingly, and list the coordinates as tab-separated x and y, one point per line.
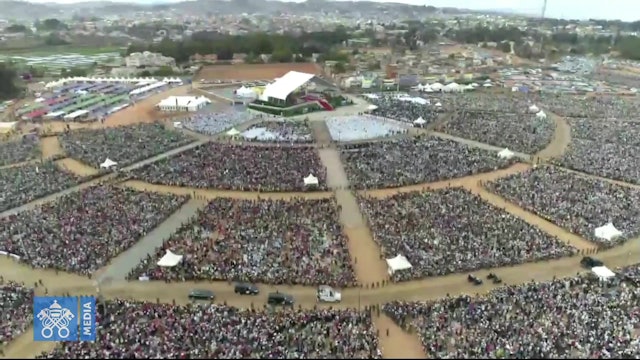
451	87
505	154
398	263
108	163
169	259
233	132
438	104
533	109
177	124
372	107
420	121
436	86
8	125
607	232
487	85
541	115
428	89
310	180
603	272
246	92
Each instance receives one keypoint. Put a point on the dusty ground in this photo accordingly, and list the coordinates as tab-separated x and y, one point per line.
365	253
247	72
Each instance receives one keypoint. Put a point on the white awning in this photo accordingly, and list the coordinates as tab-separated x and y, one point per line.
372	107
420	121
505	154
607	232
233	132
541	115
169	259
603	272
108	163
311	180
398	263
285	85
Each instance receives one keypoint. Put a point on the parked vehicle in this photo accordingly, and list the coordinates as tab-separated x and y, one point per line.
328	294
588	262
280	299
246	289
200	294
473	279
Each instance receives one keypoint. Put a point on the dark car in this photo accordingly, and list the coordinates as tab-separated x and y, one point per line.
246	289
588	262
474	280
200	294
280	299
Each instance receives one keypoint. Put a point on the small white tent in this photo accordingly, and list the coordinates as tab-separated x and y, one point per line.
310	180
607	232
438	104
398	263
505	154
428	89
533	109
233	132
541	115
169	259
436	86
372	107
246	92
420	121
108	163
603	272
177	124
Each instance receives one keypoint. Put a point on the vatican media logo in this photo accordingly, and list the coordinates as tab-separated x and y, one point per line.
64	318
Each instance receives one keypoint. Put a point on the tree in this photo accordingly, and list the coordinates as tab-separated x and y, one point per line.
55	40
76	71
339	68
8	88
51	25
282	56
16	28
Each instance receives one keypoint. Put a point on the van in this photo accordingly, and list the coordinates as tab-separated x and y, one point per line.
246	289
280	299
328	294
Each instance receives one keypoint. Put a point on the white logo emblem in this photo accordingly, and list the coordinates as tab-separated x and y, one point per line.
55	317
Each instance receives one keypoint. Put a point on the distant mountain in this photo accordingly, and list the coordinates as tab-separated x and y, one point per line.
13	9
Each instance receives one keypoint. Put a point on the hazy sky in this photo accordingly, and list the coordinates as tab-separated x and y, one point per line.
627	10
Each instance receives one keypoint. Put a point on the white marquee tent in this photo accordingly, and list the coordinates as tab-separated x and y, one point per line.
398	263
246	92
541	115
505	154
436	86
420	121
533	109
6	127
108	163
310	180
603	272
372	107
169	259
183	103
233	132
607	232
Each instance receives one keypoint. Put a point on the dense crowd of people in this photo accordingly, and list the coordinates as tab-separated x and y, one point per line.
13	152
80	232
133	330
267	241
604	148
216	122
16	310
238	167
579	317
601	106
487	101
285	131
453	230
577	203
404	162
22	184
391	107
521	132
125	144
362	127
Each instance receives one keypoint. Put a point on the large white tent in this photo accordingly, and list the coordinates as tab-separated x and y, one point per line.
169	259
420	121
108	163
233	132
505	154
183	103
246	92
607	232
310	180
436	86
285	85
603	272
398	263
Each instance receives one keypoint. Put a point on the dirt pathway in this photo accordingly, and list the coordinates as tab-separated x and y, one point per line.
537	221
321	132
463	181
23	163
50	146
120	267
560	141
210	194
76	167
395	342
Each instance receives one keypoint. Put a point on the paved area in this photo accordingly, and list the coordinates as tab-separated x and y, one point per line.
370	268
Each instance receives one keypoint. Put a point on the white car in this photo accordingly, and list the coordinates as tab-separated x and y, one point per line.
328	294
